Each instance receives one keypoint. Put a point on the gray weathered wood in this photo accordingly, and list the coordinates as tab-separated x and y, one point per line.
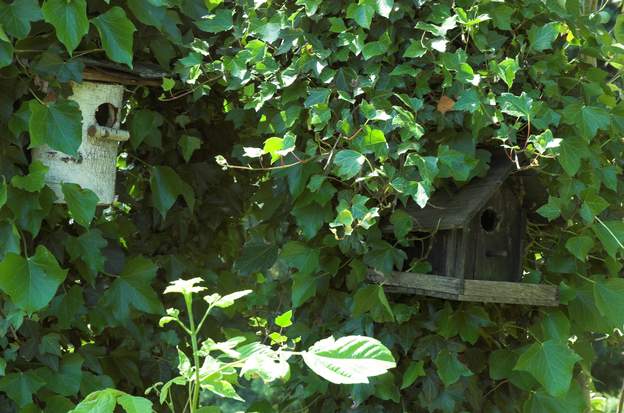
452	211
467	290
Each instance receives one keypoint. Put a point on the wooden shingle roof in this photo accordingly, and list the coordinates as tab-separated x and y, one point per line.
453	211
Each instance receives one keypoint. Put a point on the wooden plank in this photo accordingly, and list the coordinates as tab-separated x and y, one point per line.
451	288
510	293
419	284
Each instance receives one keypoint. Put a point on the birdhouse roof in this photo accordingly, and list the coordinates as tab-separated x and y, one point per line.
109	72
453	211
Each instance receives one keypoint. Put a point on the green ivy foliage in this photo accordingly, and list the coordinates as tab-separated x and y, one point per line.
325	119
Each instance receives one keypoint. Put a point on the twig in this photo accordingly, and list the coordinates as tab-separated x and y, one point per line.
269	168
188	92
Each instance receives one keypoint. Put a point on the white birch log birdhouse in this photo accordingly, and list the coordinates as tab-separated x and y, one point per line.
94	167
100	98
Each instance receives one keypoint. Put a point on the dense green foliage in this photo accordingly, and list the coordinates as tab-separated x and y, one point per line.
324	118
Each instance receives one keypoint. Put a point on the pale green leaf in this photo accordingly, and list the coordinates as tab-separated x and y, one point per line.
348	360
284	320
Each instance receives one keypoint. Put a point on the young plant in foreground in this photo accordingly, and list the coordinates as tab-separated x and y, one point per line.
216	366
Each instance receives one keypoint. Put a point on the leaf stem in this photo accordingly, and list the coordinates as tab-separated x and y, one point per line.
195	396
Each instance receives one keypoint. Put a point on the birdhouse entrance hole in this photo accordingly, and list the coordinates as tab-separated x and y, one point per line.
489	220
106	115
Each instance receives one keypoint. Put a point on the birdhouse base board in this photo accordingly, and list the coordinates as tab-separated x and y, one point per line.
458	289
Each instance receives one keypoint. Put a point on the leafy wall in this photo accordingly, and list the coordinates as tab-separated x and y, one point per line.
325	119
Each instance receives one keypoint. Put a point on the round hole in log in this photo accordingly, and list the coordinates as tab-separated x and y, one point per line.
489	220
106	115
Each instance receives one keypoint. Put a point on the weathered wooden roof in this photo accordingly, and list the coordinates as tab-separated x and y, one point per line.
105	71
451	211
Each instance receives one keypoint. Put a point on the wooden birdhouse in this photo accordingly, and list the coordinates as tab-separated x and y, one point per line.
100	98
475	243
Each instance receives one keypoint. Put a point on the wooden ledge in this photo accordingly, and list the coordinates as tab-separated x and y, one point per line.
467	290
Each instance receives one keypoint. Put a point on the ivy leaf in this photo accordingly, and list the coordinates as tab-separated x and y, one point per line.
402	223
132	290
592	206
551	363
571	151
317	96
542	37
507	70
66	381
298	255
21	386
188	145
145	124
256	256
466	320
520	106
580	246
348	360
384	7
51	65
31	282
572	401
349	163
372	298
609	298
373	49
116	32
468	101
284	320
6	53
58	125
361	13
81	203
69	19
384	257
414	371
102	401
3	192
16	17
87	248
593	118
166	186
303	288
148	14
450	369
618	28
415	49
216	23
9	239
457	164
611	235
34	181
134	404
